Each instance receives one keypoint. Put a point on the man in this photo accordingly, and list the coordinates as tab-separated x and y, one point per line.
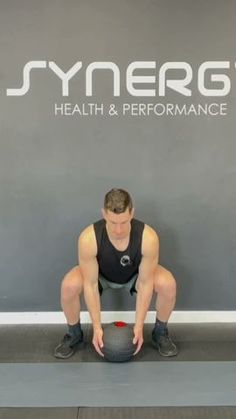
115	252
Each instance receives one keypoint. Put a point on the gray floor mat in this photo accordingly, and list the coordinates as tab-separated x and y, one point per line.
108	385
158	413
120	413
40	413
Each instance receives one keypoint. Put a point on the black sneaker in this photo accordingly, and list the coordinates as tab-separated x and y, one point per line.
68	346
163	343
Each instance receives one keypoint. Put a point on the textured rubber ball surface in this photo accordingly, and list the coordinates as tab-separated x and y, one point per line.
118	342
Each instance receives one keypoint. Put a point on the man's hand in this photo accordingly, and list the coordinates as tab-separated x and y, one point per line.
97	340
138	338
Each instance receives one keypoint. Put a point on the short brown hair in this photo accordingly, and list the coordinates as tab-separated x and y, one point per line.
117	201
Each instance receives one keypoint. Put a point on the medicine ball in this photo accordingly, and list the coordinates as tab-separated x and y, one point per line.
118	342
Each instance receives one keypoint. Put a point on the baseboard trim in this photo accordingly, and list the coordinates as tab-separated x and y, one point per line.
57	317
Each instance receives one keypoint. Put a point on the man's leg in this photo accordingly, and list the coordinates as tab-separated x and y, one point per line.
71	288
165	287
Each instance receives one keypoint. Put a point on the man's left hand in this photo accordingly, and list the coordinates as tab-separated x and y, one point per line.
138	338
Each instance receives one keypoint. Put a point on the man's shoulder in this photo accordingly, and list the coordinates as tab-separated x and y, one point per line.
89	230
87	237
150	238
149	229
149	233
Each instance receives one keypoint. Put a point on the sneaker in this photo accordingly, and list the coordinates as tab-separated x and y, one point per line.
163	343
68	346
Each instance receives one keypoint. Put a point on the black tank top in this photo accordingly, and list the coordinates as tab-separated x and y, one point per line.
114	265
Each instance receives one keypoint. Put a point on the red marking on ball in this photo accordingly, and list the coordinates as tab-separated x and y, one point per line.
120	324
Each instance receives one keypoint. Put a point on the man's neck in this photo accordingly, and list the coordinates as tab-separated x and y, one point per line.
119	242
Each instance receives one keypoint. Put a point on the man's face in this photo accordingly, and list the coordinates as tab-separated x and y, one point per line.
118	225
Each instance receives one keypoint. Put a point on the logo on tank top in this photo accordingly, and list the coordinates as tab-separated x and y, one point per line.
125	261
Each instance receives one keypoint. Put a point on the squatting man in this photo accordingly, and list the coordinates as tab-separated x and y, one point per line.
117	251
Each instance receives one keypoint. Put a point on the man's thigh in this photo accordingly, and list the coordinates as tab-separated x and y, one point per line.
160	274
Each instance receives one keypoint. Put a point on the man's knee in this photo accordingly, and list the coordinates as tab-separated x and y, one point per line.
164	282
72	283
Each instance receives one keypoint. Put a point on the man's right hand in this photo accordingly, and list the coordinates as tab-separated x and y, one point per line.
97	340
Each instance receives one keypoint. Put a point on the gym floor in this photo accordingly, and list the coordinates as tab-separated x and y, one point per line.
196	342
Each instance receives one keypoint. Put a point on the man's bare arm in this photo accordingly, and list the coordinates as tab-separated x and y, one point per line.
87	250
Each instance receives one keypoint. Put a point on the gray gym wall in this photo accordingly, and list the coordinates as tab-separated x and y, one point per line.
55	170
